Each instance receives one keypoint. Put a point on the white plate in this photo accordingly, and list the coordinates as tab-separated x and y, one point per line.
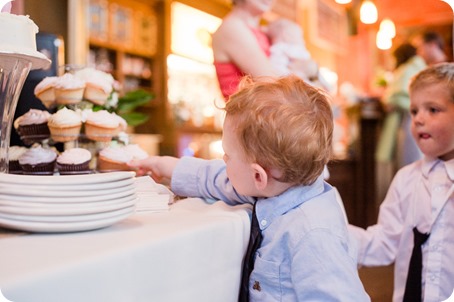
56	180
51	193
67	218
62	227
71	187
60	199
66	205
69	210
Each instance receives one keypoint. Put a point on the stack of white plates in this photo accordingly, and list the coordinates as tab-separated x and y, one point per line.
54	204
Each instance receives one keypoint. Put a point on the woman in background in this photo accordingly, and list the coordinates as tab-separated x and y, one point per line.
240	46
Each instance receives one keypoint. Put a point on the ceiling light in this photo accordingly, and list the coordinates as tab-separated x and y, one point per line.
388	28
343	1
383	41
368	13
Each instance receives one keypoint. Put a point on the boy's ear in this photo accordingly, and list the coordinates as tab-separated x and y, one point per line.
260	177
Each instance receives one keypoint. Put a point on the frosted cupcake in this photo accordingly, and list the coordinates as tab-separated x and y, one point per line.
117	158
14	152
98	85
113	159
74	161
65	125
102	126
45	91
32	126
38	161
69	89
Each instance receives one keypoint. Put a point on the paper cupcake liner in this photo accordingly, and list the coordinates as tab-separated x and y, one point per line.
31	134
101	134
39	169
69	96
107	165
65	134
73	169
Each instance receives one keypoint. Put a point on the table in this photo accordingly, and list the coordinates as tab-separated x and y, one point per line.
193	252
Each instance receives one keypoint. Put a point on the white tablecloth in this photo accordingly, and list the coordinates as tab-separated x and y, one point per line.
191	253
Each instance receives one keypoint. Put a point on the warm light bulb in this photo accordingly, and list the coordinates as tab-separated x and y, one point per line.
383	41
450	2
343	1
388	28
368	12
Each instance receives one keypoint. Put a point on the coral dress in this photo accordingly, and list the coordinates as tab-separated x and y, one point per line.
229	75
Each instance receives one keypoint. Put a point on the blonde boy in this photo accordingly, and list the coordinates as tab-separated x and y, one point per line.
420	199
277	140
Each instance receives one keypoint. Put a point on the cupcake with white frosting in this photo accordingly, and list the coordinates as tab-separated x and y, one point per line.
74	161
14	152
45	91
65	125
69	89
117	158
98	85
102	125
38	161
32	126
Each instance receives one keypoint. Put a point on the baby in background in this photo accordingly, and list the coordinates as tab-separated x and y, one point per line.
288	52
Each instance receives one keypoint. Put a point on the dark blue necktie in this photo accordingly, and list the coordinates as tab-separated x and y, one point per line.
413	291
255	239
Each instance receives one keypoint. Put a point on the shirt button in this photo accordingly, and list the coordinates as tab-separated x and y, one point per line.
263	222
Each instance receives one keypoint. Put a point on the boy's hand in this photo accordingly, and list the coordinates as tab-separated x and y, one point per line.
159	167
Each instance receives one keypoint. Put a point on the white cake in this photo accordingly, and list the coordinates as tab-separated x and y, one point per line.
18	38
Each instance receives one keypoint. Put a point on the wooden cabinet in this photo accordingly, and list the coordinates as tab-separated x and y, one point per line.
123	39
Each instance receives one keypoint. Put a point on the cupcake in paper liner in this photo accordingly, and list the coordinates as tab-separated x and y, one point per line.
38	161
117	158
65	125
98	85
74	161
102	126
33	126
45	91
69	89
14	152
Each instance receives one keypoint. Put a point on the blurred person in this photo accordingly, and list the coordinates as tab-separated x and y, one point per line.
430	46
240	45
416	220
288	52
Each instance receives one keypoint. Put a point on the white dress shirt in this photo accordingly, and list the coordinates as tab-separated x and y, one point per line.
421	195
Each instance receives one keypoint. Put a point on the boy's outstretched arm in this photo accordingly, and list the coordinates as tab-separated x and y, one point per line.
160	167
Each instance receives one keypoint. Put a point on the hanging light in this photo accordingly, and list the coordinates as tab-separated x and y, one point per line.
343	1
383	41
450	2
388	28
368	13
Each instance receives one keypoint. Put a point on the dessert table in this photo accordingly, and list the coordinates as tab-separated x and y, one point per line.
193	252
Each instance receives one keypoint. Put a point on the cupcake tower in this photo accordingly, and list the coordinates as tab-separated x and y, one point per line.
71	123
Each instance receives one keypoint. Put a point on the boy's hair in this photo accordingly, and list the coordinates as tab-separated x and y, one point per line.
285	124
442	73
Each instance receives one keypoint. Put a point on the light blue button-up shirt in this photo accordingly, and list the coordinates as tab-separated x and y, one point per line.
305	254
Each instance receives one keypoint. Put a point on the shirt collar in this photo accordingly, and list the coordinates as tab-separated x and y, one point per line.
268	209
429	164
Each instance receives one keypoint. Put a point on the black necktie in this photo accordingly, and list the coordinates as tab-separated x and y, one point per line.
255	239
413	286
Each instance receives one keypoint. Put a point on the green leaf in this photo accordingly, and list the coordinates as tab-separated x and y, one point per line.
135	118
133	99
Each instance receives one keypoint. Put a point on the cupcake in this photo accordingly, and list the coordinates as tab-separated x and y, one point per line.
98	85
69	89
102	125
74	161
45	91
113	159
117	158
38	161
32	126
65	125
14	152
